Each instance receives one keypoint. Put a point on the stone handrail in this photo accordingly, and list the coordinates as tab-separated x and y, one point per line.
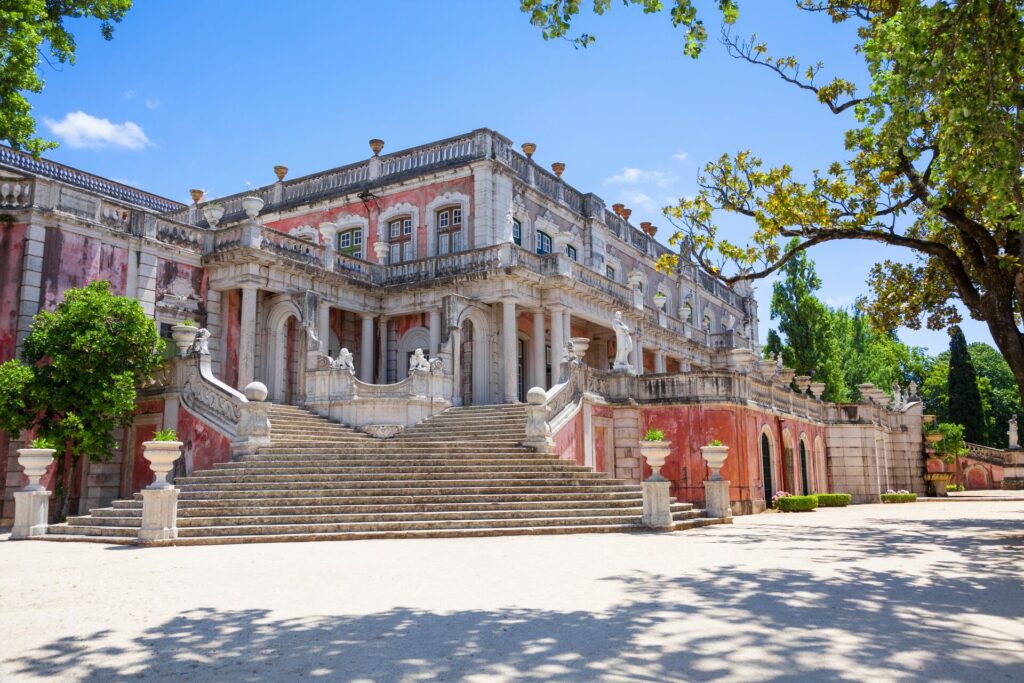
245	422
16	194
544	408
987	454
86	181
332	390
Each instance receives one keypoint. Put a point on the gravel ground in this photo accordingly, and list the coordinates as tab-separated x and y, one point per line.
926	591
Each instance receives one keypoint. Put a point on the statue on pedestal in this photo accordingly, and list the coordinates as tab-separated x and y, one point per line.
418	362
1012	433
623	343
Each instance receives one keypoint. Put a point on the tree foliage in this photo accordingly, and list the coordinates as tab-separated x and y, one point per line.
965	407
934	165
77	377
31	29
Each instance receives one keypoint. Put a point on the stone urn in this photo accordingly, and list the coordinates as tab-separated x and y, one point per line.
786	376
183	336
579	347
161	456
35	461
802	383
559	168
655	453
715	457
213	213
252	205
932	438
766	368
817	389
528	149
280	171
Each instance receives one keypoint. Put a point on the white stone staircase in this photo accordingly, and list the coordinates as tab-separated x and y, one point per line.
460	473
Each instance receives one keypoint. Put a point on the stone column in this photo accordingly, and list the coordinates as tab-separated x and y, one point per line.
247	338
659	361
382	356
323	327
456	341
435	332
366	349
566	327
638	353
557	342
539	366
508	349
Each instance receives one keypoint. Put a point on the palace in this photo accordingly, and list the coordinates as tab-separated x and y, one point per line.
505	277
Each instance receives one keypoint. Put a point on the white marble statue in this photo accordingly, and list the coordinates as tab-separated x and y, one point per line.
623	343
344	361
418	362
1012	433
201	344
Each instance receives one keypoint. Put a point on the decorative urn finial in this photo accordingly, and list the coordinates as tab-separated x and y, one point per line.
197	195
617	208
626	213
376	145
559	168
280	172
528	149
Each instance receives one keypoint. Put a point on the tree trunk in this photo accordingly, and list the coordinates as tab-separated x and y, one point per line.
1010	343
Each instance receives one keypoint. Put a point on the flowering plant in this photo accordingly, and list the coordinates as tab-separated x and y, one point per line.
779	494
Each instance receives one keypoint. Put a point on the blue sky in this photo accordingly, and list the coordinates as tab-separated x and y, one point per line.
213	94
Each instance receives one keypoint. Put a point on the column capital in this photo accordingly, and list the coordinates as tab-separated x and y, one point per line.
556	308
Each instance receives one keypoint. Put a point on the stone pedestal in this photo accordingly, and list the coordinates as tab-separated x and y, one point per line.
1013	471
716	497
159	515
657	504
31	510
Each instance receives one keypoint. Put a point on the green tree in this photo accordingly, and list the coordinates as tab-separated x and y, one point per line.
965	407
998	392
30	29
934	163
77	377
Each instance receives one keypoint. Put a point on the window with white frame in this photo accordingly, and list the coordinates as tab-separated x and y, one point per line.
400	239
543	243
609	272
517	232
350	242
449	230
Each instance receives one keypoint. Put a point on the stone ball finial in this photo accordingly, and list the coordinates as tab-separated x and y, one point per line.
536	396
255	391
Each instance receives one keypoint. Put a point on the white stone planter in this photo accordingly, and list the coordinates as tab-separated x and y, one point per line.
35	461
802	382
715	457
817	389
213	213
579	347
655	453
183	336
161	456
252	206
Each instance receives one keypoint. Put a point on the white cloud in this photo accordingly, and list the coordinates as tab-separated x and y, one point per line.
681	156
152	103
80	130
639	176
839	301
129	94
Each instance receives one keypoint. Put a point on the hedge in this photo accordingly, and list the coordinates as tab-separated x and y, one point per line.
833	500
796	503
898	497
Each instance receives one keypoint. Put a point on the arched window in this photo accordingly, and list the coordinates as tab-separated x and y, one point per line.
803	467
543	243
350	242
403	248
766	469
449	230
609	272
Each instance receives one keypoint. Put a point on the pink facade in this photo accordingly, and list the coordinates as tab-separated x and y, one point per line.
73	260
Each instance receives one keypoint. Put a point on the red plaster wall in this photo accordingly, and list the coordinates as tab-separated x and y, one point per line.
203	445
181	279
690	427
12	248
232	308
569	440
407	322
420	196
72	260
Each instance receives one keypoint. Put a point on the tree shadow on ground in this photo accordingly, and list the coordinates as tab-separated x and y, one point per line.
963	621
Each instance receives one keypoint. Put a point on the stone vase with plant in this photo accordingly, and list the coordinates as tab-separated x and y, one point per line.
655	450
161	453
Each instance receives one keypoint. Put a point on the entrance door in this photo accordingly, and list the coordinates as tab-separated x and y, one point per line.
803	468
466	363
521	370
766	469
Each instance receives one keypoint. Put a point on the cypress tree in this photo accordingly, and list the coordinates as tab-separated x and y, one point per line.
965	406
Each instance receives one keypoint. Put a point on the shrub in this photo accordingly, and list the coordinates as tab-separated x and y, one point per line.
833	500
716	442
654	435
796	503
42	442
900	497
165	435
954	487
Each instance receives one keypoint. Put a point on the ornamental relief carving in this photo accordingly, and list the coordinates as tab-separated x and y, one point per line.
208	403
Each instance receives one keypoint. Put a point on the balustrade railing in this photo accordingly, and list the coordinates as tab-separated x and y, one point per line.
16	194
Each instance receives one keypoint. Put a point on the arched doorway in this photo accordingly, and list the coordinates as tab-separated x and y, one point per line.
766	468
788	470
805	488
284	345
466	362
415	338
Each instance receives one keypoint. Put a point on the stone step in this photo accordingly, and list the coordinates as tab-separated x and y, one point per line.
630	495
400	450
198	492
206	509
66	529
414	480
335	460
305	468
